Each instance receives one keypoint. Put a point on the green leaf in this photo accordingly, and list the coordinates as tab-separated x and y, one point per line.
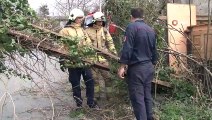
20	26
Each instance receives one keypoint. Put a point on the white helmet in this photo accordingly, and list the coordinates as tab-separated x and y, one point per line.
76	13
99	16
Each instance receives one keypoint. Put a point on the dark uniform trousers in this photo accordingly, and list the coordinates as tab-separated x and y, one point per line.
139	78
74	78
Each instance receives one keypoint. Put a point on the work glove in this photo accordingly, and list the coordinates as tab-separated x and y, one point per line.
62	64
62	68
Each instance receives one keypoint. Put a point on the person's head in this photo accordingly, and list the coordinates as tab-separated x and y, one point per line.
77	16
99	19
136	13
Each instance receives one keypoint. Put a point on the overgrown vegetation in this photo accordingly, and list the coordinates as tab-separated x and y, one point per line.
186	99
176	110
16	15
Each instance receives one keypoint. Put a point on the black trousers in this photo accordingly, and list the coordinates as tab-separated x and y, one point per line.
74	78
139	78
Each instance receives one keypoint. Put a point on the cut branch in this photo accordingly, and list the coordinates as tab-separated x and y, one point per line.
57	50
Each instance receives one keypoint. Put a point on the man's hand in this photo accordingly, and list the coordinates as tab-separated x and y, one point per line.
122	71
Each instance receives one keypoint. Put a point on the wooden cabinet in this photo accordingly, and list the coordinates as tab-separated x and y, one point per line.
201	41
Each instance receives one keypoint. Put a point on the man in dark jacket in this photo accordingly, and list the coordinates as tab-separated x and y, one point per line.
139	56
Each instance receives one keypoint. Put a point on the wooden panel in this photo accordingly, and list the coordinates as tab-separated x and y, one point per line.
178	17
196	40
202	19
200	45
208	46
201	28
196	45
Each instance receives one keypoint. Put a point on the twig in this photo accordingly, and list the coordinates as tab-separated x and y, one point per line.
1	109
190	58
52	104
14	109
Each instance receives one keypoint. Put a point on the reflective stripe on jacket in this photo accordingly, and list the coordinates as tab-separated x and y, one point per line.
75	31
101	39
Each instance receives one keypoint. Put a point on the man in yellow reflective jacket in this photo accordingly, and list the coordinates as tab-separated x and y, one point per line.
73	29
100	38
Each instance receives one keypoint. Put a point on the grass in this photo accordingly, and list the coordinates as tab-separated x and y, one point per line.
178	110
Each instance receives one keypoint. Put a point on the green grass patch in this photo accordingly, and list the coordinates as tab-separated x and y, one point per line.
178	110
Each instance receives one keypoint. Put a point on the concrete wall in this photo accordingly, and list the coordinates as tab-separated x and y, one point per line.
201	5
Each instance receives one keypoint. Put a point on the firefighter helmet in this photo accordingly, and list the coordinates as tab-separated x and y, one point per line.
99	16
75	13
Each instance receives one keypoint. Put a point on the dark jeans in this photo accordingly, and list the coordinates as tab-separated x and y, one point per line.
74	78
139	78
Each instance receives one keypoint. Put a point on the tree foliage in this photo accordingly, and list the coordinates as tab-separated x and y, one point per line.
14	14
43	11
17	15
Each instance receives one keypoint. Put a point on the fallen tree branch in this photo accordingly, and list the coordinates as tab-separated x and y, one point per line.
58	51
95	48
48	47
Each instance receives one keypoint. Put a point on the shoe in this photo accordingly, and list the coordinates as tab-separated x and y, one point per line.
94	105
79	104
78	101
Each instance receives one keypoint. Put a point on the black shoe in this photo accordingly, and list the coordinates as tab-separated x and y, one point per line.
79	104
94	105
78	101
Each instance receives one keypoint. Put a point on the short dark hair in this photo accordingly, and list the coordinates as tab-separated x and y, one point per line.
137	12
